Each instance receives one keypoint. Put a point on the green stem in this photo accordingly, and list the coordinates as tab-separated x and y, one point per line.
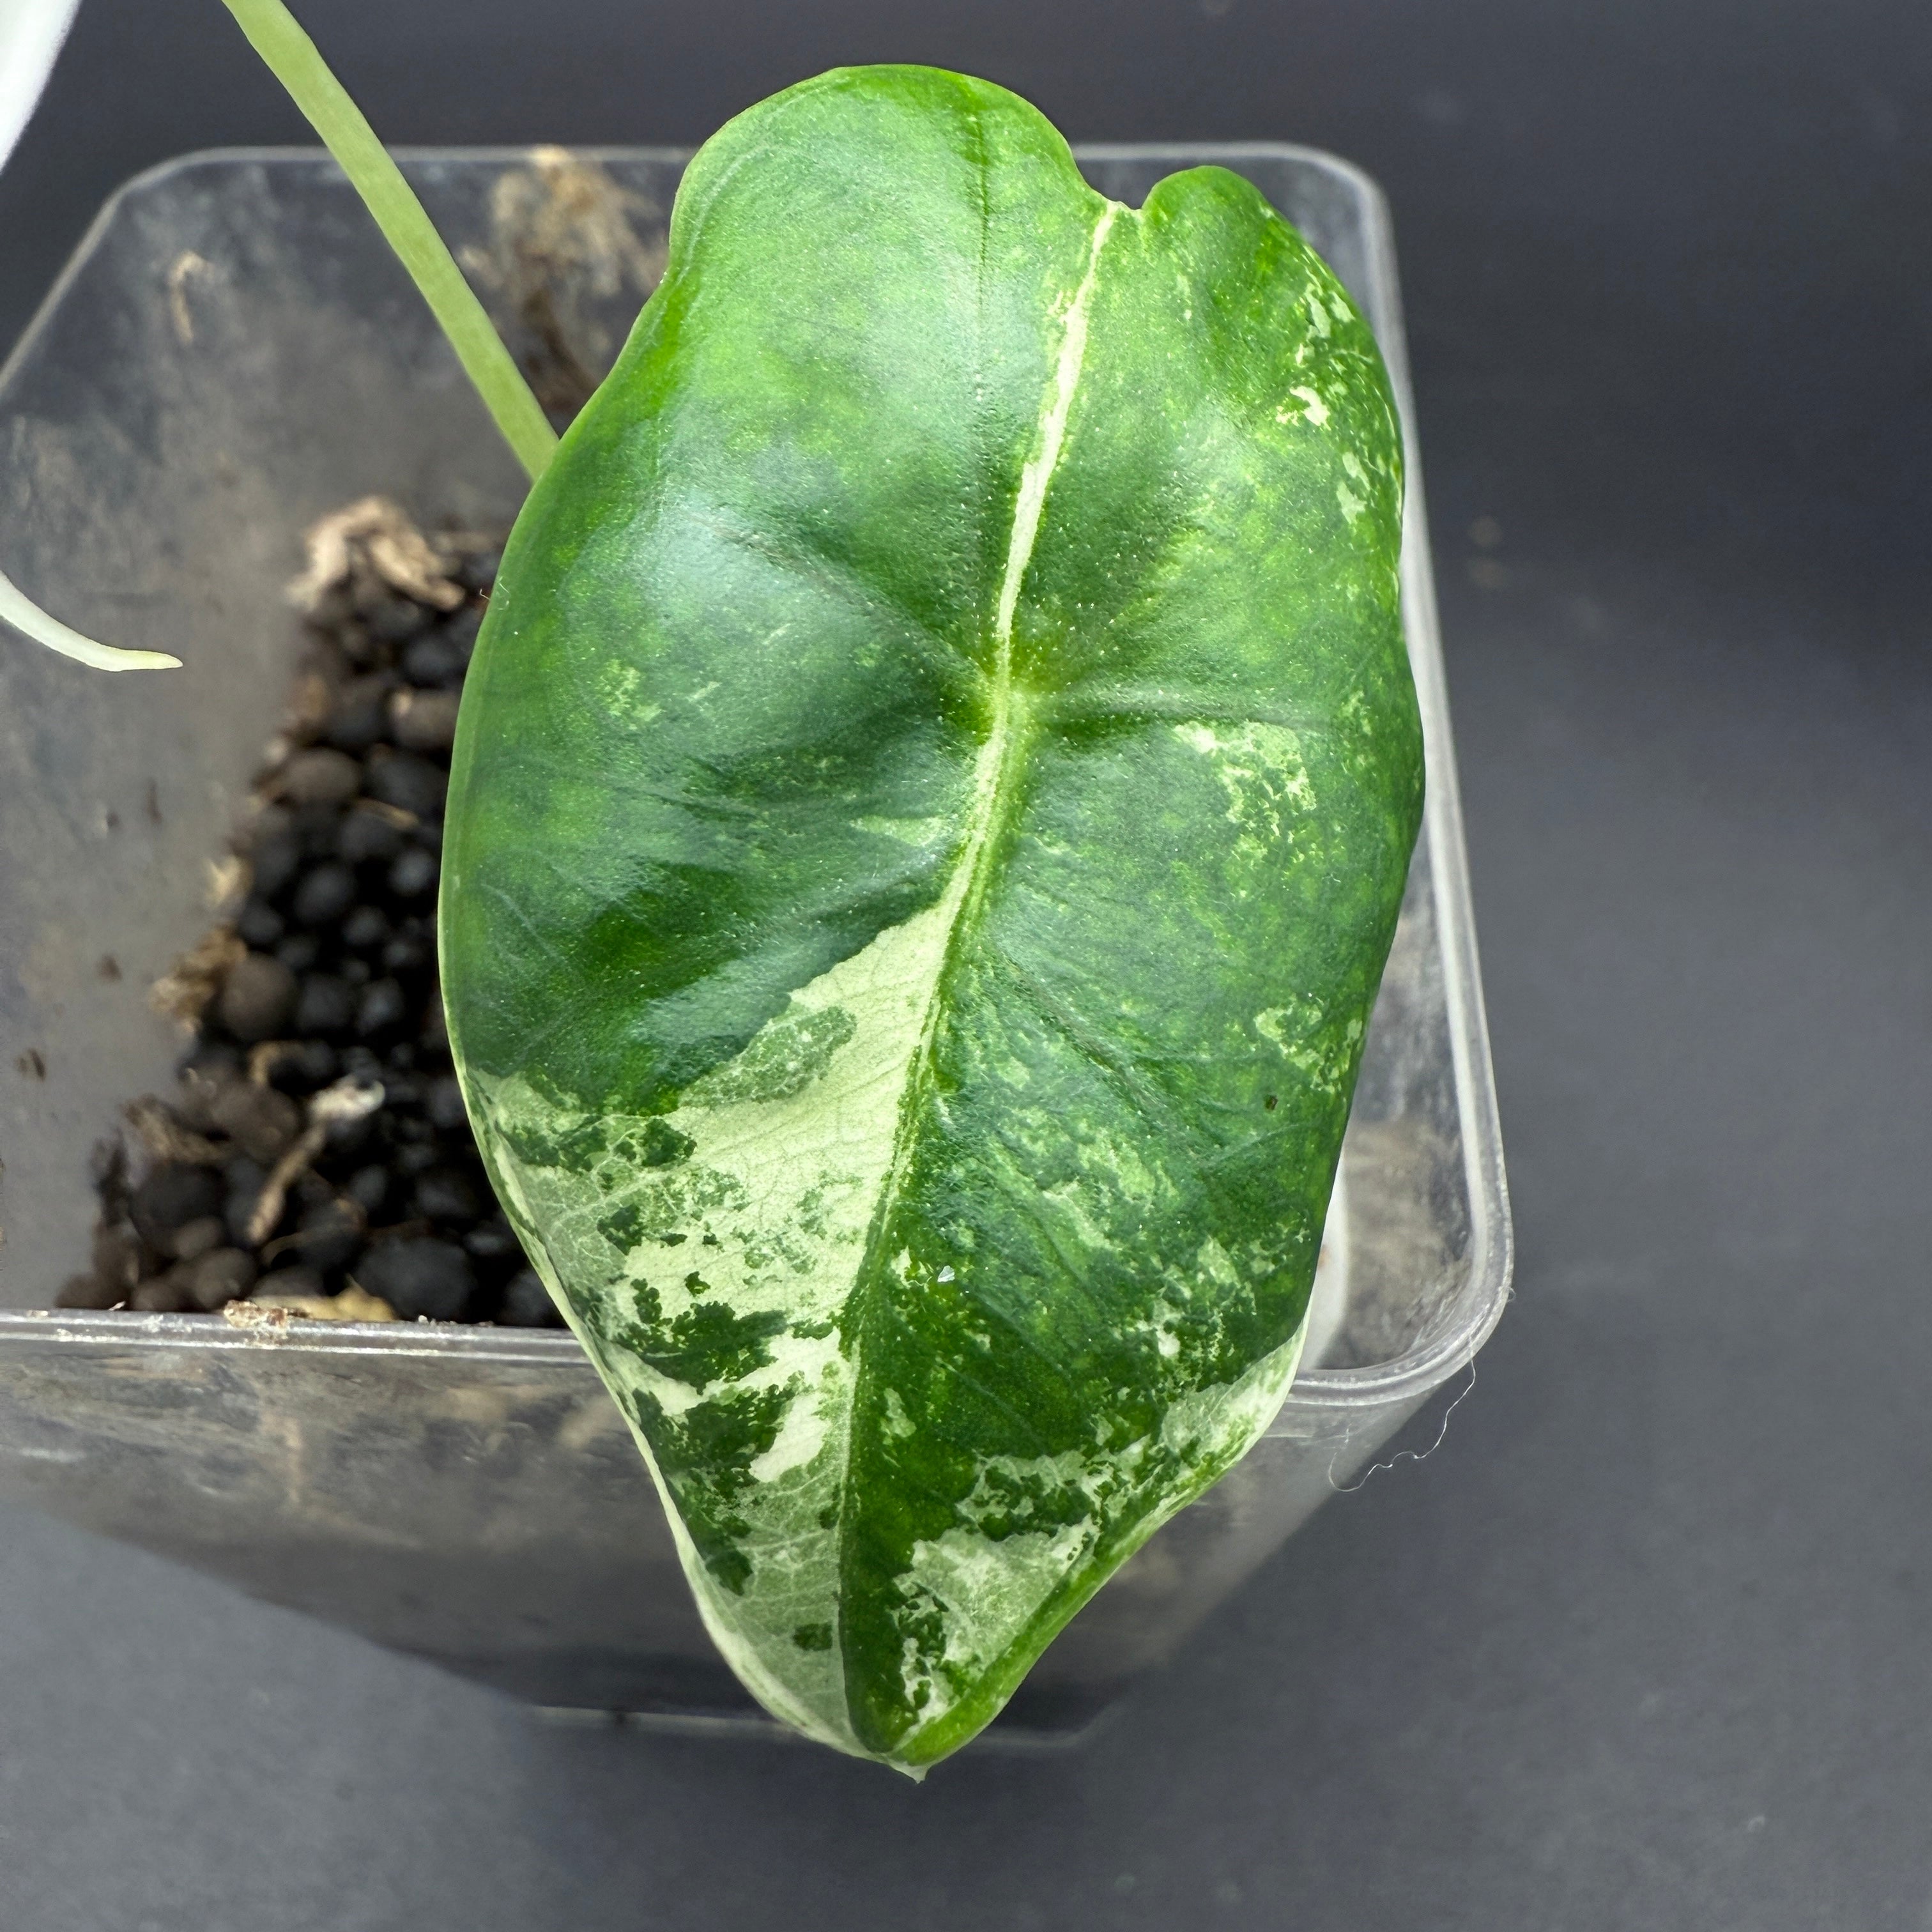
275	35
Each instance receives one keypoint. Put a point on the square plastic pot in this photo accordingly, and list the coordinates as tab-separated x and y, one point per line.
232	353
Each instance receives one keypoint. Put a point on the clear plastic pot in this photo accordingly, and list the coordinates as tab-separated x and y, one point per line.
232	353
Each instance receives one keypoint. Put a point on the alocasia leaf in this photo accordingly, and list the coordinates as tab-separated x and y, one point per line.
930	806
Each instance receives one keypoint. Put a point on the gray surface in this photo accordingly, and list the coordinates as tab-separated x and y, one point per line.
1645	1644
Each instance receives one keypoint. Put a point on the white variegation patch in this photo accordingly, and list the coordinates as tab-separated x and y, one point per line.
1214	1428
788	1157
986	1593
1260	767
983	1581
1297	1031
1313	409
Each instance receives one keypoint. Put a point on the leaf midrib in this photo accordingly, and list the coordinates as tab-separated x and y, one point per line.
1010	729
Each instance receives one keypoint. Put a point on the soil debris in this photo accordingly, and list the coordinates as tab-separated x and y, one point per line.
352	1304
183	992
160	1130
572	256
372	539
185	267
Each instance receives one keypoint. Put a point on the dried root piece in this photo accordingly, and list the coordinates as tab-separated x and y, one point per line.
352	1304
161	1132
183	992
350	1099
373	534
259	1317
564	244
225	885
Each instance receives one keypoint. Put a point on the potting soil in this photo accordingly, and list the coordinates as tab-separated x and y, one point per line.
315	1156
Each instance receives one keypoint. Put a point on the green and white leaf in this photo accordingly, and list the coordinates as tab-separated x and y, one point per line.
931	801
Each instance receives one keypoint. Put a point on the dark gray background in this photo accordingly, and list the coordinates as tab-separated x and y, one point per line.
1647	1642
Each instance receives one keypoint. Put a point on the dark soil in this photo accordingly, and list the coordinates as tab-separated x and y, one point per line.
316	1147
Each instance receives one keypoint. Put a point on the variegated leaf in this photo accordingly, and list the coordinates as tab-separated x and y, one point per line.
932	798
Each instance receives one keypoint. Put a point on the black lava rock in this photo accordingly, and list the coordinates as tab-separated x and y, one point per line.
420	1276
414	1157
359	718
369	1189
526	1302
325	1008
365	929
118	1263
214	1060
325	897
351	638
413	876
163	1295
260	925
321	776
260	1121
381	1009
447	1195
331	1236
409	952
193	1239
293	1278
404	1090
478	571
443	1103
367	837
299	952
434	660
172	1194
348	1138
461	628
436	1024
408	783
257	994
85	1290
305	1065
424	720
318	826
495	1241
224	1275
395	620
340	974
204	1074
273	860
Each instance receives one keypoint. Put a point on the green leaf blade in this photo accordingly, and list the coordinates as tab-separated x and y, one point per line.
932	799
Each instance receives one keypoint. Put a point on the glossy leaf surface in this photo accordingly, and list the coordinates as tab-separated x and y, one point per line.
932	799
